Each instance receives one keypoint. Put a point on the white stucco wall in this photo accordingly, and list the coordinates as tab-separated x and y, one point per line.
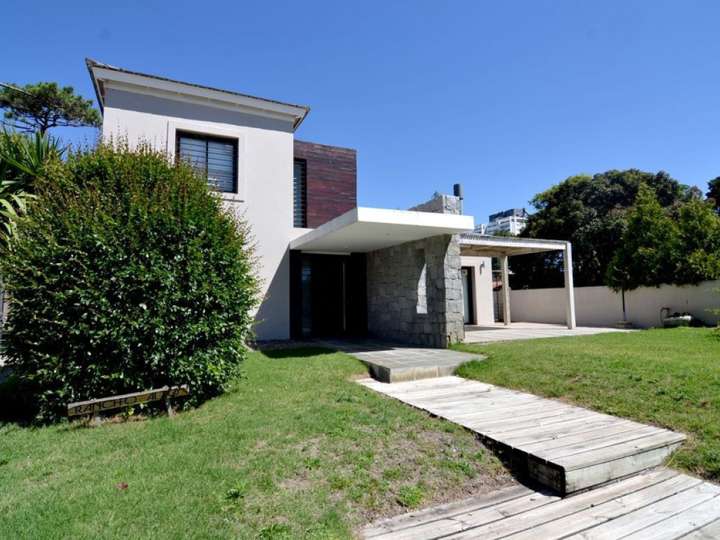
601	306
265	169
483	294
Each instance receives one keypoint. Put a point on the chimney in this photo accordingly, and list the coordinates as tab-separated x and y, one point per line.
458	192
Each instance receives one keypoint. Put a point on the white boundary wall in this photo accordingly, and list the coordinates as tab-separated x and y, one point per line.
601	306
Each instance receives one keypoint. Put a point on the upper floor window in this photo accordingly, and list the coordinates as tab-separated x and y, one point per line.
300	193
213	157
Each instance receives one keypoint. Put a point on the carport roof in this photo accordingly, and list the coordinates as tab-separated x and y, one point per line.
480	245
366	229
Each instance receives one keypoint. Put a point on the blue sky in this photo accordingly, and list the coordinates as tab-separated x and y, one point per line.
506	97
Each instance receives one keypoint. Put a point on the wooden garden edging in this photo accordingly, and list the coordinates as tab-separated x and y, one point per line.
95	406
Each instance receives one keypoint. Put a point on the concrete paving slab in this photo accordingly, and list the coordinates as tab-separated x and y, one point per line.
390	362
492	333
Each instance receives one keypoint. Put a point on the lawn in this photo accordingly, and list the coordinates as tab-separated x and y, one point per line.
296	449
670	378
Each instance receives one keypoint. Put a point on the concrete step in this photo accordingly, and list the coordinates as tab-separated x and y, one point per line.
393	363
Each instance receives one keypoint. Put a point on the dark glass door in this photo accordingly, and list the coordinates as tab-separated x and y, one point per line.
328	295
329	316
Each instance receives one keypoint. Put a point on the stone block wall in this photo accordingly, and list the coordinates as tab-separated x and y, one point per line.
414	290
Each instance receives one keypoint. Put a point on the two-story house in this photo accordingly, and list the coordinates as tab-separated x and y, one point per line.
328	267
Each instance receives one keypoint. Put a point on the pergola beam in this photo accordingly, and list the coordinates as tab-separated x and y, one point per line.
474	245
569	286
504	267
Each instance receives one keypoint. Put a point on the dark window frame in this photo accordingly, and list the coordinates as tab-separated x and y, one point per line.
205	137
304	219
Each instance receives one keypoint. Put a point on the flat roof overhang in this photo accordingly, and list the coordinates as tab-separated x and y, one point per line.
367	229
480	245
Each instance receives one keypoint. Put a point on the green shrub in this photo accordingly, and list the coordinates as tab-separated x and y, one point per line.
127	275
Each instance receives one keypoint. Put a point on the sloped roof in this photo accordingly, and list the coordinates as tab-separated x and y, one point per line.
100	72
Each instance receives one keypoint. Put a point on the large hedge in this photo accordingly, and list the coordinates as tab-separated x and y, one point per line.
127	274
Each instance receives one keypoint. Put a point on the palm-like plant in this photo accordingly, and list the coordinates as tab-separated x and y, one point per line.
13	203
22	159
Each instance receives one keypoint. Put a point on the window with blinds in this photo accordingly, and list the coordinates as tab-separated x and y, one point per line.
214	158
300	193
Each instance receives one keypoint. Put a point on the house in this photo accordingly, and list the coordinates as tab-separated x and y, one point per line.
328	267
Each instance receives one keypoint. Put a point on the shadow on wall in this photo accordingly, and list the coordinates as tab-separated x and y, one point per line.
190	111
272	320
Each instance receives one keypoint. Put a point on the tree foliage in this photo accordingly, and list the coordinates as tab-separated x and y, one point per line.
42	106
649	248
591	212
713	193
699	231
126	275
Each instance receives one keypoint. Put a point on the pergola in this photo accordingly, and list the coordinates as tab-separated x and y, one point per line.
503	247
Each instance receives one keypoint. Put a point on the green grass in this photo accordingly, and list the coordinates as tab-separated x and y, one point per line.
670	378
295	450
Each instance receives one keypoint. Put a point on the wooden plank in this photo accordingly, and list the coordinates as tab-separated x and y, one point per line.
556	431
539	422
544	473
611	453
565	507
487	411
682	523
456	395
444	511
635	435
578	479
466	407
580	435
479	399
580	522
509	420
422	385
655	511
480	394
95	406
711	531
450	525
449	394
519	410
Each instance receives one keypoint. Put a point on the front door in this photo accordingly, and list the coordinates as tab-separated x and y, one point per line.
327	286
328	297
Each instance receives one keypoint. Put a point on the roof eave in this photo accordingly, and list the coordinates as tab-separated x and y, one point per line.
98	94
296	113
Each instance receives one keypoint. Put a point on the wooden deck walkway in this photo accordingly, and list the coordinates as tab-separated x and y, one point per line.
655	505
563	447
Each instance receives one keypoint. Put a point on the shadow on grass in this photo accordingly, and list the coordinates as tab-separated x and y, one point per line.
297	352
16	403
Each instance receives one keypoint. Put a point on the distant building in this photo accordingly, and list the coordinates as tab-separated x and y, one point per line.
480	228
511	221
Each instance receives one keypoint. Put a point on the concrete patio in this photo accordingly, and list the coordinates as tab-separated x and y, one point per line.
392	362
491	333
